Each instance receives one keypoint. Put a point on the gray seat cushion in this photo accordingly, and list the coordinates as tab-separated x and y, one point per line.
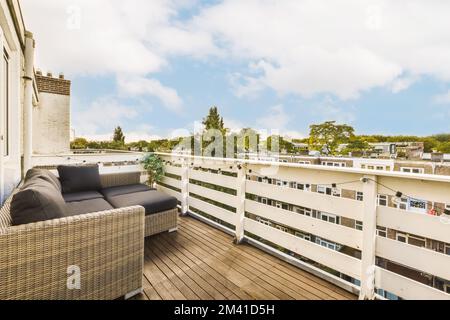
117	191
153	201
38	200
87	206
79	178
81	196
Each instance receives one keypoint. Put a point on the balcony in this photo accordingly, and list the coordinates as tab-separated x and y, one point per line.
200	262
304	231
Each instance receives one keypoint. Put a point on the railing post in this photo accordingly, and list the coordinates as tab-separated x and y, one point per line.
240	204
370	190
184	186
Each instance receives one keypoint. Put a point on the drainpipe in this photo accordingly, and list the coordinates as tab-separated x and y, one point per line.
28	102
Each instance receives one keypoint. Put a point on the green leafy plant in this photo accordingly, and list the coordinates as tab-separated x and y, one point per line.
154	167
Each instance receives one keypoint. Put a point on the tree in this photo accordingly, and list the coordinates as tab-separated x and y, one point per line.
444	147
248	140
118	136
357	145
79	144
327	136
214	121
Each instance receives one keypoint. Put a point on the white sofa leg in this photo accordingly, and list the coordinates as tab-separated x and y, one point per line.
133	293
173	230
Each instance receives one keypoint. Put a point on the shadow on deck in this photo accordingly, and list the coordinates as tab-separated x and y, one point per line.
201	262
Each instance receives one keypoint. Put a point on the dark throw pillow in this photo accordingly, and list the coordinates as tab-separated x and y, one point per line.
38	200
43	174
79	178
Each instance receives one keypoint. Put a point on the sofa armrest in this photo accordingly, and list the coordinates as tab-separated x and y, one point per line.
37	260
120	179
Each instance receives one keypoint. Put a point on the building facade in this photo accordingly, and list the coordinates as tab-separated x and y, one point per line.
34	110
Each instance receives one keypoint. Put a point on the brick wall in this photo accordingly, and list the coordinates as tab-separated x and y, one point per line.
52	85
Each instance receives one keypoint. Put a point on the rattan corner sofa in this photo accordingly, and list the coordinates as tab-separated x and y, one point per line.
37	260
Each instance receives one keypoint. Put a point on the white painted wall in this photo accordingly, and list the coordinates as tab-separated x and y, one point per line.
51	124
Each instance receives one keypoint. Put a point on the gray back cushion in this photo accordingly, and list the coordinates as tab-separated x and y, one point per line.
79	178
43	174
37	200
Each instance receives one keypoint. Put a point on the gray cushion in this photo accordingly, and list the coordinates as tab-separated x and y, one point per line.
81	196
87	206
38	200
79	178
117	191
43	174
153	201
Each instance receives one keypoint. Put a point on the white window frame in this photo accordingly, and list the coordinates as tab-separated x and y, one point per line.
447	247
302	186
382	233
5	110
329	217
359	196
334	164
385	198
415	209
303	236
359	225
304	162
411	169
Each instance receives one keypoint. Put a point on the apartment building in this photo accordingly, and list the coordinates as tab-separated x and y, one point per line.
34	109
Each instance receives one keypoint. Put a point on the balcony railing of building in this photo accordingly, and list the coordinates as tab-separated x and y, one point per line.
375	233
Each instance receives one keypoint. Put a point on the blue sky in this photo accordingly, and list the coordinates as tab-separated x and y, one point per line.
155	67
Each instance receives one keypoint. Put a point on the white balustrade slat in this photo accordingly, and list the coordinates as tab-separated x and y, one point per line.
173	170
216	179
406	288
422	259
212	210
432	227
339	206
171	182
225	198
334	232
170	192
333	259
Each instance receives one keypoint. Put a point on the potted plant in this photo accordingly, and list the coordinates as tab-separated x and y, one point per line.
154	166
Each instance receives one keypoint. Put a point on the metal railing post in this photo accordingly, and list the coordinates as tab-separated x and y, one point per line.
184	186
370	190
240	202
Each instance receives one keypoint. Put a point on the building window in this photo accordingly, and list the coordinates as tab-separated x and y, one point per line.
411	170
264	221
417	205
304	162
4	103
412	240
333	164
358	225
303	235
382	200
382	232
328	244
328	217
447	249
304	187
359	196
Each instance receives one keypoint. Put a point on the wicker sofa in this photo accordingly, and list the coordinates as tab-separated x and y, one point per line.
107	247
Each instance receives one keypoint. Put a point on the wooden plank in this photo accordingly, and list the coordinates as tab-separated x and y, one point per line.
282	268
308	290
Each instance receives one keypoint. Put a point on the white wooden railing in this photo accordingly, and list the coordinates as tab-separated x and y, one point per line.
218	191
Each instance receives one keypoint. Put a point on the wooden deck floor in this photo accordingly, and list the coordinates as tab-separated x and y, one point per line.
201	263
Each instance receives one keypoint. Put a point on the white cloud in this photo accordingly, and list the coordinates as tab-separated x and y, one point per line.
442	98
103	115
275	119
338	47
141	86
328	110
401	84
111	37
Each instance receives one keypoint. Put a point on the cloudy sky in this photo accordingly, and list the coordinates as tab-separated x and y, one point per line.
155	67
